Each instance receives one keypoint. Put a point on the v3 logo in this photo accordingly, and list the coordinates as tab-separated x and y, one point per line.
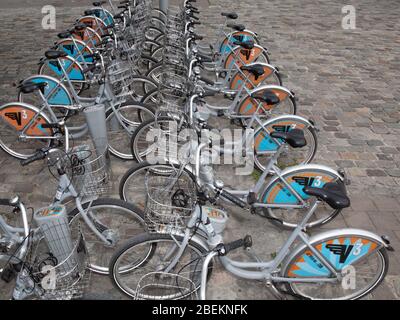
341	250
308	181
16	116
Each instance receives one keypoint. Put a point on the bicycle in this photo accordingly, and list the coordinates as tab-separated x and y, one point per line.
183	239
49	260
83	173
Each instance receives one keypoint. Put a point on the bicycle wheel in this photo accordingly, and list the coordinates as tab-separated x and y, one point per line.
265	147
140	85
363	267
148	253
132	184
117	220
132	114
52	69
277	193
20	118
248	105
144	139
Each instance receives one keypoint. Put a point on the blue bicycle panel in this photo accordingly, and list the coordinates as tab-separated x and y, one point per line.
73	74
279	193
340	252
105	16
73	51
59	97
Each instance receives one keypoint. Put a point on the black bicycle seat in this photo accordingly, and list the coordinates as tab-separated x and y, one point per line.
80	27
333	193
29	87
90	12
294	138
230	15
255	69
64	35
55	54
268	96
237	27
248	44
99	3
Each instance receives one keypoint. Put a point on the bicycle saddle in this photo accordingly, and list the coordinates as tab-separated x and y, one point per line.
268	96
80	27
295	137
89	12
237	27
29	87
255	69
55	54
333	193
230	15
64	35
248	44
99	3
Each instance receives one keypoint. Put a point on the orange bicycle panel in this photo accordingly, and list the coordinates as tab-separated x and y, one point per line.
94	23
242	57
89	36
250	105
19	117
252	82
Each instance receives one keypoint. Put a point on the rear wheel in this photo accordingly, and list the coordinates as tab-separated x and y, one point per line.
148	253
14	121
120	221
290	156
278	193
365	275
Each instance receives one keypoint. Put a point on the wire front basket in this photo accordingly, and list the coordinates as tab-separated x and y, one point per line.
87	167
58	261
169	203
165	286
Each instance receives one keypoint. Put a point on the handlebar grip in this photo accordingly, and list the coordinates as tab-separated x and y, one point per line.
90	68
208	93
208	81
197	37
234	245
4	202
37	156
51	126
235	200
204	58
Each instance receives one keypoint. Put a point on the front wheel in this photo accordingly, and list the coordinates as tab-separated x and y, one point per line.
132	184
361	262
150	253
117	220
121	126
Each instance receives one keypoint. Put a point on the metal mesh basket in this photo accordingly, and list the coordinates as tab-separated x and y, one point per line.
59	261
165	286
169	203
87	167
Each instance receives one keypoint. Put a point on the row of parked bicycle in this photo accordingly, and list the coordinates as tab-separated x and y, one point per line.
131	72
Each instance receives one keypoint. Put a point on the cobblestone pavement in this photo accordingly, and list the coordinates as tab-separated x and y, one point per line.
347	80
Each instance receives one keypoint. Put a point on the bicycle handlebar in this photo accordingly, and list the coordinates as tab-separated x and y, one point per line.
5	202
40	155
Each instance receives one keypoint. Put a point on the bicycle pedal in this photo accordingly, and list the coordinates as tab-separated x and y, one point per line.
8	274
247	242
251	198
